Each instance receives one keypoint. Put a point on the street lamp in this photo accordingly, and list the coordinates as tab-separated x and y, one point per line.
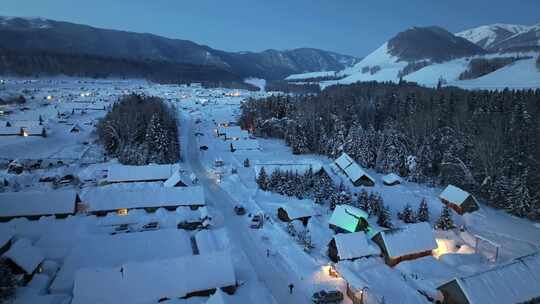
364	289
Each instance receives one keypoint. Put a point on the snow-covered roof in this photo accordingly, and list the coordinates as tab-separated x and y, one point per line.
355	172
38	130
6	234
151	281
298	208
25	255
219	297
114	250
344	161
10	131
377	277
37	203
175	179
454	195
354	245
121	173
247	144
211	240
391	179
43	299
413	238
346	217
514	282
100	199
25	123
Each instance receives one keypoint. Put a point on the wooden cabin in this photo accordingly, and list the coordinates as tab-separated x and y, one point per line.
351	246
353	171
296	210
347	219
459	200
35	204
407	243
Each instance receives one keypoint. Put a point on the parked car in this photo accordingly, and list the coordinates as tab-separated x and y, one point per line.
189	225
327	297
204	148
256	222
151	226
239	210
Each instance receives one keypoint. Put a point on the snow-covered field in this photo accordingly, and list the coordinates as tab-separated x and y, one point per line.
265	260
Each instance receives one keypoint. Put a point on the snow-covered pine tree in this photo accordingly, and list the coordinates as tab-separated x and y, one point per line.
7	282
407	215
374	201
385	217
423	211
520	197
275	181
262	179
363	201
445	221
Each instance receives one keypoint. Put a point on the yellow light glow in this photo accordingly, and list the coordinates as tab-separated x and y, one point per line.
24	133
49	97
443	246
122	212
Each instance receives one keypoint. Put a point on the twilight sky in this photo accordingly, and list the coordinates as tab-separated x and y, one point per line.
354	27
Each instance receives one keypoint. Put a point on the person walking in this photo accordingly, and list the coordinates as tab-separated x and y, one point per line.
267	252
291	286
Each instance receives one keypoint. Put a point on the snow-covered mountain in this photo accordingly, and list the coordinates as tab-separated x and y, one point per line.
427	55
504	37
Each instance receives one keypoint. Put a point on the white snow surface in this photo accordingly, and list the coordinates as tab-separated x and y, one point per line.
410	239
122	173
105	199
486	35
310	75
454	195
355	245
296	208
25	255
169	278
37	203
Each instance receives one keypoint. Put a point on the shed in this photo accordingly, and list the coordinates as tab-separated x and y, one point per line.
459	200
391	179
33	205
353	171
100	201
25	257
148	173
347	218
174	278
301	210
406	243
351	246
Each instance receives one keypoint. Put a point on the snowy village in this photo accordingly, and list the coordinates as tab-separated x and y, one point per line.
389	180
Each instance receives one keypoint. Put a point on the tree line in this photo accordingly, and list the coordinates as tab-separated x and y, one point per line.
320	188
487	142
479	67
140	130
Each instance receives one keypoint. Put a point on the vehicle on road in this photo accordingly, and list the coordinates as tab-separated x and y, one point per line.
150	226
256	221
327	297
204	148
239	210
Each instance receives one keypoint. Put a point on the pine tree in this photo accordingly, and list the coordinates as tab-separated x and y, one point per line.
7	282
384	218
423	211
445	221
275	181
363	201
520	197
247	164
407	215
262	179
374	201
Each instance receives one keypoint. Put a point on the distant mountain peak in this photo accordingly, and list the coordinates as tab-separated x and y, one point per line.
25	22
504	37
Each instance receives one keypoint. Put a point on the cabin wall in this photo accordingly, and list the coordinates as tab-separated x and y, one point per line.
363	181
282	215
396	260
332	251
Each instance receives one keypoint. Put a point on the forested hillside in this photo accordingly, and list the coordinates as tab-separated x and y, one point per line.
140	130
484	141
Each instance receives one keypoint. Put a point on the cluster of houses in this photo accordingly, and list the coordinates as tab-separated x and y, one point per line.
23	128
238	139
111	268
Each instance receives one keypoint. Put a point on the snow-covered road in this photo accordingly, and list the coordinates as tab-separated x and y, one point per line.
271	272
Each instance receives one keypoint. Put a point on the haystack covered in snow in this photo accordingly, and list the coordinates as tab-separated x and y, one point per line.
515	282
148	173
155	280
407	243
391	179
347	218
25	257
351	246
35	204
354	172
459	200
301	210
101	201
